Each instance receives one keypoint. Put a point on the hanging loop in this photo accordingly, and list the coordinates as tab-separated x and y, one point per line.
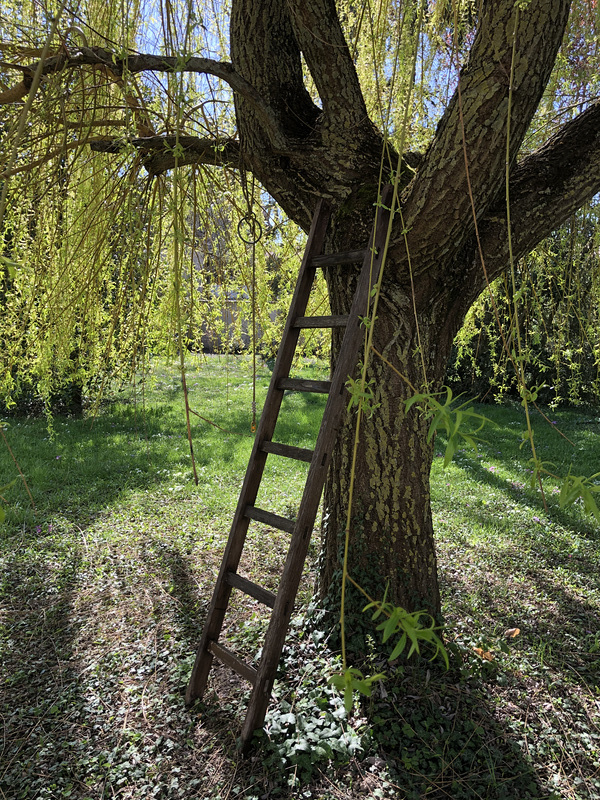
249	228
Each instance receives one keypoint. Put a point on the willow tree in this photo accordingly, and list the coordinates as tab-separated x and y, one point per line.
483	114
557	286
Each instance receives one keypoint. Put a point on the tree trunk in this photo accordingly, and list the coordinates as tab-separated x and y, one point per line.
391	530
334	151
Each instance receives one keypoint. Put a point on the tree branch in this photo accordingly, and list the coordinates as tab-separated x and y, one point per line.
159	152
322	41
546	188
438	210
133	64
265	51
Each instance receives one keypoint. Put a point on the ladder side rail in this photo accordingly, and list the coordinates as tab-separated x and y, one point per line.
296	556
256	463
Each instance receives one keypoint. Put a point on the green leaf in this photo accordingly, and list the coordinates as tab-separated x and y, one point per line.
400	645
348	698
389	627
450	418
11	266
575	487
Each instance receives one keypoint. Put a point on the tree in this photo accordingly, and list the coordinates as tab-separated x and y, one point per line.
557	293
304	129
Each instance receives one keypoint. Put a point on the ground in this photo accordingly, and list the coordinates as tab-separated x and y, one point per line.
105	585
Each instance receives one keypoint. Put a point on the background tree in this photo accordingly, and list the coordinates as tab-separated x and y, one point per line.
331	100
557	300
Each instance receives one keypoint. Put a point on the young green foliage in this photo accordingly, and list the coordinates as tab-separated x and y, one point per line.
352	680
576	487
451	419
409	626
417	628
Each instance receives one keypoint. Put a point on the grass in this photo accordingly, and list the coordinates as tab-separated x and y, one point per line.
105	584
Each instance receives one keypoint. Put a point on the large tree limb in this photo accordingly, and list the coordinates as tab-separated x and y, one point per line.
137	63
545	189
265	51
160	153
437	210
322	41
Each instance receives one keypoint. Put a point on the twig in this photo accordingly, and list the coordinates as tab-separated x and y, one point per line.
214	424
17	466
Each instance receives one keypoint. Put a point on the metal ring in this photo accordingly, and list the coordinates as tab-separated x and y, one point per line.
254	229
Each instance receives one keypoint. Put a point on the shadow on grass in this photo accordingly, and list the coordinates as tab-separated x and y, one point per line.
442	737
529	498
190	599
40	700
423	733
94	659
557	621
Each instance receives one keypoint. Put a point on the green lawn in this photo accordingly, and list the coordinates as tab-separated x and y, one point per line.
105	583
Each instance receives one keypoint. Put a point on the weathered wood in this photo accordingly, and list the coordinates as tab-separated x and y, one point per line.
301	529
331	321
236	664
307	512
268	518
266	427
259	593
301	385
288	451
340	259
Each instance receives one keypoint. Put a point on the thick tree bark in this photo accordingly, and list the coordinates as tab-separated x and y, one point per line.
391	530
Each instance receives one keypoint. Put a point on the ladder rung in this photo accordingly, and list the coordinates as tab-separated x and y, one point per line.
332	321
253	589
301	385
288	450
282	523
237	665
337	259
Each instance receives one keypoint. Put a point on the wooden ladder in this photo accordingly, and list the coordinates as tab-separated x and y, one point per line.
301	528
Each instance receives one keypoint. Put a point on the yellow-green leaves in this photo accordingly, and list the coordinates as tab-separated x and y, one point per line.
580	487
454	420
362	395
416	627
352	680
10	266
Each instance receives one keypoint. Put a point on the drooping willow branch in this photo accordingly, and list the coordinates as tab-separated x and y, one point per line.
99	57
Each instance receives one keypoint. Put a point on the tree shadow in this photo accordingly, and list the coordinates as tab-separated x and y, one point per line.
530	498
88	465
40	698
441	736
190	600
551	613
